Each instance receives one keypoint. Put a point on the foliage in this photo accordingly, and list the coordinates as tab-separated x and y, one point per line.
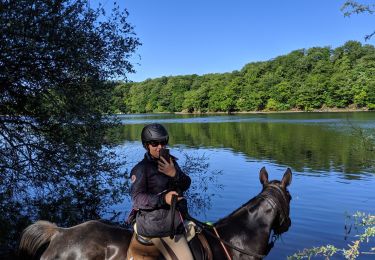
354	7
361	220
307	79
197	195
55	60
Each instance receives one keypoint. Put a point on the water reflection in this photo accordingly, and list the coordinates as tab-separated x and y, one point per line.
361	118
81	190
305	143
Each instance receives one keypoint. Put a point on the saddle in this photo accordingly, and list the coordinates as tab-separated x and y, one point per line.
142	247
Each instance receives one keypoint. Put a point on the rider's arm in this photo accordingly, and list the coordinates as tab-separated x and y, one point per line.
138	191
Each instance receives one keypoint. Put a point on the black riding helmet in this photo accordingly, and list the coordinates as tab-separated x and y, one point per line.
154	132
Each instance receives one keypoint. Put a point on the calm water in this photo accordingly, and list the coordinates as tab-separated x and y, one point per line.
332	169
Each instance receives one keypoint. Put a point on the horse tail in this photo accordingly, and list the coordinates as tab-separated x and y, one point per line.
37	235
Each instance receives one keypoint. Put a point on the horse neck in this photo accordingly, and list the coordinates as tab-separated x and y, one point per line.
251	223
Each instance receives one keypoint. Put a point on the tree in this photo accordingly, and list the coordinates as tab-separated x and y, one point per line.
55	57
307	79
354	7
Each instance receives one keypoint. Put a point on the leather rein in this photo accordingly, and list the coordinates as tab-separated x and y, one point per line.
267	197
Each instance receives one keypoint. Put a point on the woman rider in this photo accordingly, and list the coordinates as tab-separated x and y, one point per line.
154	181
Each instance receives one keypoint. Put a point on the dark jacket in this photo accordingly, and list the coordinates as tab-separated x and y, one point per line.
148	189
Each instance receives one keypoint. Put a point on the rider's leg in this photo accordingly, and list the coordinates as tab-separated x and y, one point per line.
173	249
137	251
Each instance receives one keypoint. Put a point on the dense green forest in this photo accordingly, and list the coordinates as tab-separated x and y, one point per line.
305	79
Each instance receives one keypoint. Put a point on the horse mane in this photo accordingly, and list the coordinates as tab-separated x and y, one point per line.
244	206
37	235
238	210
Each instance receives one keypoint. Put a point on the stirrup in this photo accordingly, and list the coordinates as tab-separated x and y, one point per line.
146	241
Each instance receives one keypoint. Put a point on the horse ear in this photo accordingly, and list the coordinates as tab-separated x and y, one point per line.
287	178
263	176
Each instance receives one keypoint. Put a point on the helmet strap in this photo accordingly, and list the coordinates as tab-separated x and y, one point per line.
146	147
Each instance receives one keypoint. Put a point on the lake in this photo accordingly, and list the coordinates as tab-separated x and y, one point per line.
333	171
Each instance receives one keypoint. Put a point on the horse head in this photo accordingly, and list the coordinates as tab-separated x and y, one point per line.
277	195
245	233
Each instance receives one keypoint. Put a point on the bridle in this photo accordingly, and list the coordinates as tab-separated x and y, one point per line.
281	204
266	194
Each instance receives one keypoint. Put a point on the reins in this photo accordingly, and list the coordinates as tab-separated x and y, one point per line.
173	211
222	241
207	226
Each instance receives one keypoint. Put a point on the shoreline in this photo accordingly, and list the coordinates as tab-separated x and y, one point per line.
325	110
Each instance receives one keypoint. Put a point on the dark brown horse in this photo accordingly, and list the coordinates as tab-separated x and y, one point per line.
245	233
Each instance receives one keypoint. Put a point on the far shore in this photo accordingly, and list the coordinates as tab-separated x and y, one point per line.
323	110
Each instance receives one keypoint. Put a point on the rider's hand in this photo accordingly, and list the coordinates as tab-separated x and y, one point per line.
168	197
166	167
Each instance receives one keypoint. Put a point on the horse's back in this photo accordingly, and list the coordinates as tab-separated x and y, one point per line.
89	240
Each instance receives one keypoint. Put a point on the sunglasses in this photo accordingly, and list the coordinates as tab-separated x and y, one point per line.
156	143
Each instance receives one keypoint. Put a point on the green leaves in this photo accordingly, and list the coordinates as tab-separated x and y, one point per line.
55	60
363	221
319	77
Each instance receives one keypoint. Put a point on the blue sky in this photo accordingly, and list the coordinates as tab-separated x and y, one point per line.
183	37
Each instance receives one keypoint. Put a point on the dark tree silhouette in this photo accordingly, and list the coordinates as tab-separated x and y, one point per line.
55	57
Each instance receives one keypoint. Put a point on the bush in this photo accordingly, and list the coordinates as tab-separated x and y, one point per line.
361	220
